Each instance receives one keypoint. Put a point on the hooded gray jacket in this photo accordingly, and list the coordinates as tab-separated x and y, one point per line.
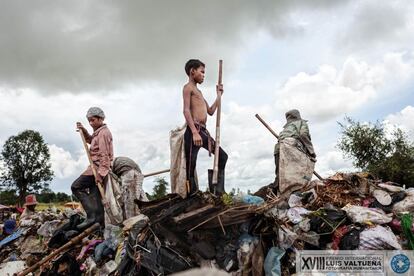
297	128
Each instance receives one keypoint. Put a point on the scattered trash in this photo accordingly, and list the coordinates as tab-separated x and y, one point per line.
241	234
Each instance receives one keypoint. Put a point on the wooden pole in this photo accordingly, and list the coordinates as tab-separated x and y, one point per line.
64	247
277	137
155	173
218	119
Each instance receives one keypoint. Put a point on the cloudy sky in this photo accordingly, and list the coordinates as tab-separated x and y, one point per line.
326	58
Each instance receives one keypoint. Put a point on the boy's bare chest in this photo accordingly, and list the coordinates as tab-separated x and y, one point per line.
197	96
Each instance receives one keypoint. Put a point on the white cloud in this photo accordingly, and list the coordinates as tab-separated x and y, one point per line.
333	161
403	119
64	165
331	92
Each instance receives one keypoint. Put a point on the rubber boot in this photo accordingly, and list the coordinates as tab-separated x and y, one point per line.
88	206
220	183
98	206
211	187
219	188
193	186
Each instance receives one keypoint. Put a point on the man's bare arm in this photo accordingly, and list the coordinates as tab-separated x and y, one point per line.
212	109
188	117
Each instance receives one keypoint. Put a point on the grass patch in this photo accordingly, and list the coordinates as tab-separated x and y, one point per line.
44	206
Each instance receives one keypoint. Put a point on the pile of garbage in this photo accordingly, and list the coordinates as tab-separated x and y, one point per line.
241	234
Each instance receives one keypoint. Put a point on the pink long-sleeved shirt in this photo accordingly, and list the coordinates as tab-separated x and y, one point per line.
101	150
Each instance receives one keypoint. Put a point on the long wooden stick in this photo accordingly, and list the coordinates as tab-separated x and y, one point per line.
100	185
277	137
64	247
155	173
118	179
218	120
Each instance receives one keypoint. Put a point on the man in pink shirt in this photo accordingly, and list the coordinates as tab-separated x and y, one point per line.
101	151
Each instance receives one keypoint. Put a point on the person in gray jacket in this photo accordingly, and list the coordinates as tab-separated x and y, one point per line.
131	179
297	128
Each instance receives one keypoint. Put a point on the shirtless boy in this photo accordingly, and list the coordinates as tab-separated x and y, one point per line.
196	136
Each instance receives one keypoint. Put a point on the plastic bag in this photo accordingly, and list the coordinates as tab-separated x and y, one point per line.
350	241
407	204
295	214
272	262
359	214
114	214
378	238
295	167
251	199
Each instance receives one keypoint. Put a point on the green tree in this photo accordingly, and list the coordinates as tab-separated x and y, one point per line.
389	157
46	196
27	167
62	197
8	197
160	189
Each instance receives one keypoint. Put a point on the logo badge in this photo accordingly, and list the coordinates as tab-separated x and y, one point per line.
400	263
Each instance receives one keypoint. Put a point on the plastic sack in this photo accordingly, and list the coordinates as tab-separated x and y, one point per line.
295	167
178	175
114	214
359	214
272	262
407	204
378	238
390	187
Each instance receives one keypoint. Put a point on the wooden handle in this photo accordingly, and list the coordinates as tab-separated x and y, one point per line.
218	120
220	78
155	173
267	126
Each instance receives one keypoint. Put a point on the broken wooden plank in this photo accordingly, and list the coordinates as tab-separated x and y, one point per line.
185	216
